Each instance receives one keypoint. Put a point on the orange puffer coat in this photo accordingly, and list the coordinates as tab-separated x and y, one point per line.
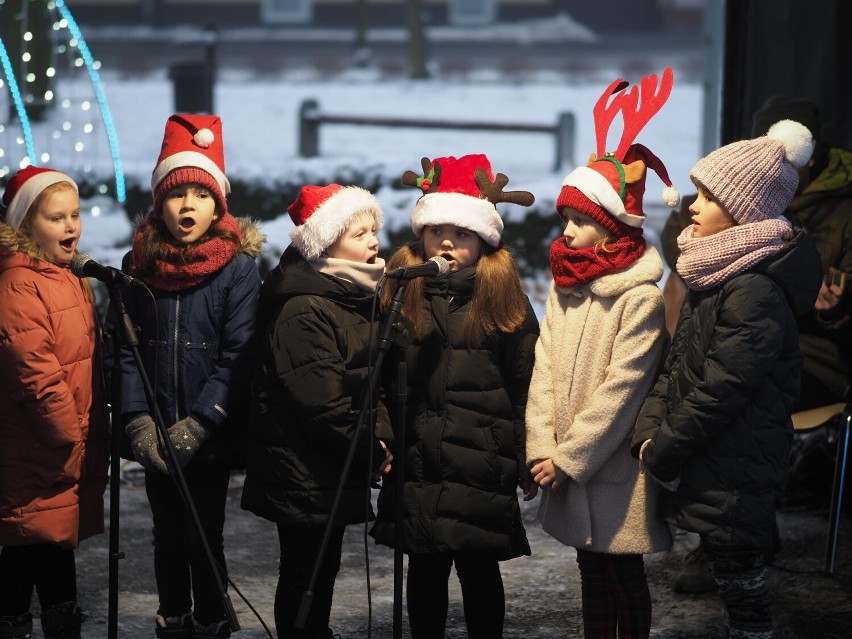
53	429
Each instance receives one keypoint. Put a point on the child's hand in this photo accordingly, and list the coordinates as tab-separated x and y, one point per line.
530	489
548	475
385	467
187	435
641	453
142	432
831	290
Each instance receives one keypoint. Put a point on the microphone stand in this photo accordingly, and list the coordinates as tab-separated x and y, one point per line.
396	330
132	341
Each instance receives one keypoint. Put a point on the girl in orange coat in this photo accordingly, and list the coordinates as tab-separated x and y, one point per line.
53	431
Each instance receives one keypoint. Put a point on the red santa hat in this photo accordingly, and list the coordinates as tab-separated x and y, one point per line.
464	192
23	189
192	152
611	187
322	214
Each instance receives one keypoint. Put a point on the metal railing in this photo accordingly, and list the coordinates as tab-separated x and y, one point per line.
311	118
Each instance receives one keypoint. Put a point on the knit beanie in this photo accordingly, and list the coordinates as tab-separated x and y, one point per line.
323	213
611	187
192	152
23	189
462	191
755	180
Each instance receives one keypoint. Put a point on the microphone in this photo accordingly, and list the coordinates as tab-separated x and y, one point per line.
437	267
83	265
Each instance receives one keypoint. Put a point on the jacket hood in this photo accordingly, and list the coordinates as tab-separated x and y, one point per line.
19	249
648	269
253	238
796	269
294	276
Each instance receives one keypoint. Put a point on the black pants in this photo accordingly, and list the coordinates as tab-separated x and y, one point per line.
299	550
482	594
45	568
616	599
181	567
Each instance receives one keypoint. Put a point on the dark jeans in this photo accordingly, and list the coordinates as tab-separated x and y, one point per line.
616	599
45	568
482	594
740	573
181	567
299	551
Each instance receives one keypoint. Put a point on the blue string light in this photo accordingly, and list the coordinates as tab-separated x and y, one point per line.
109	125
21	110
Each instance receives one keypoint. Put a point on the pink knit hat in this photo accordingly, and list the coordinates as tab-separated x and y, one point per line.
755	180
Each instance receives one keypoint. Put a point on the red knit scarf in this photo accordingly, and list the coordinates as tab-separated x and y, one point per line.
573	267
182	267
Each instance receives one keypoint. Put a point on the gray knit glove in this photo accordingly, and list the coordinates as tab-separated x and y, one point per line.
142	432
187	435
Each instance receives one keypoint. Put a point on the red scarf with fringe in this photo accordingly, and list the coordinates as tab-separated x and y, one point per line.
573	267
182	267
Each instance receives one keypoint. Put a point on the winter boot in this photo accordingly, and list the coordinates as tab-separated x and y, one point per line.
62	621
177	627
215	630
19	627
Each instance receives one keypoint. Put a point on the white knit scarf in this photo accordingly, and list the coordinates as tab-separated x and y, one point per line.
365	276
706	262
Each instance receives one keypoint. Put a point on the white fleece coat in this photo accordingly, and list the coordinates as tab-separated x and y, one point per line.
595	360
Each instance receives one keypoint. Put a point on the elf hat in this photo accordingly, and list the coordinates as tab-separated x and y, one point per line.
192	152
611	187
755	180
464	192
322	214
23	189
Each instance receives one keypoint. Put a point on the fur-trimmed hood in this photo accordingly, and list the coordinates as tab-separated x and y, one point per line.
15	245
253	238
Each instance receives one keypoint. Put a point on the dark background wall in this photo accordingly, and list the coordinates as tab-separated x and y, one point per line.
794	48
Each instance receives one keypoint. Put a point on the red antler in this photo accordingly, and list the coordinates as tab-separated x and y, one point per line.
636	115
605	115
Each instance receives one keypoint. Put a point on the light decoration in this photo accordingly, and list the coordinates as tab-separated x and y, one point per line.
76	41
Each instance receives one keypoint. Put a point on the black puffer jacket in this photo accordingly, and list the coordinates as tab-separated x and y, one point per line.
465	435
719	416
312	368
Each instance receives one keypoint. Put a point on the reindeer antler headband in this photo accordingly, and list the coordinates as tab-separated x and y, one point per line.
464	192
615	181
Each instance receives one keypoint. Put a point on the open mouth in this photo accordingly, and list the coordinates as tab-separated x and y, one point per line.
372	259
67	244
187	224
447	256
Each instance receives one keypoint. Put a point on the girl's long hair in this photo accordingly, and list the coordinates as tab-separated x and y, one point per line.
498	302
26	227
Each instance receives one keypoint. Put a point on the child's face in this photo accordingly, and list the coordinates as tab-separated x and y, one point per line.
188	211
359	242
708	216
56	225
459	246
581	231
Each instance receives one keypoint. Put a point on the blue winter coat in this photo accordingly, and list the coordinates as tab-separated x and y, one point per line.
199	352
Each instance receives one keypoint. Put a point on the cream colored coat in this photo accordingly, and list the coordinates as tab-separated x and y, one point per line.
595	360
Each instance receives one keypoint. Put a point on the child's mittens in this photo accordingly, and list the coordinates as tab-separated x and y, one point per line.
142	432
187	435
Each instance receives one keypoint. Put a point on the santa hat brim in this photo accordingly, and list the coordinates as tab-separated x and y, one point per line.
190	158
597	188
331	218
476	214
29	191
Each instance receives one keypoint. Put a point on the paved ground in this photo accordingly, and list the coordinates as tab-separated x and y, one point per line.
543	592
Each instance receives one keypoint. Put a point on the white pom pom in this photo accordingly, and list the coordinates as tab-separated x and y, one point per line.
671	196
797	140
204	138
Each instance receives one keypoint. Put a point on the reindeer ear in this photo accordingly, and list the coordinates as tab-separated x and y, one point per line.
409	178
633	172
